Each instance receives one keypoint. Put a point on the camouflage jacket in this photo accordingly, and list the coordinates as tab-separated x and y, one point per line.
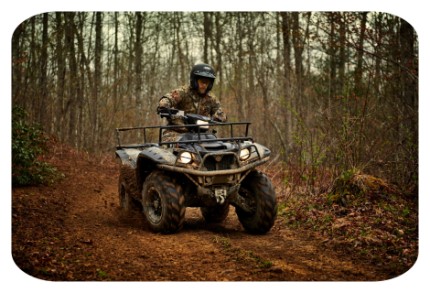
189	101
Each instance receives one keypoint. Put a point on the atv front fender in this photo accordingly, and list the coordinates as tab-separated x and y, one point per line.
130	156
158	155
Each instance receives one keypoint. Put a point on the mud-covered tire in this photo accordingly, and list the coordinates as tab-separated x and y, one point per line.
163	203
215	214
259	194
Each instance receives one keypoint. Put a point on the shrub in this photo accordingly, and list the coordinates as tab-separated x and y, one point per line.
28	144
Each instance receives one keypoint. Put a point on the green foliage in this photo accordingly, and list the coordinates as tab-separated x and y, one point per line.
101	274
28	143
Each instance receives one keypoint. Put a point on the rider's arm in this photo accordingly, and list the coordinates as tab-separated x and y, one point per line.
217	112
164	103
171	100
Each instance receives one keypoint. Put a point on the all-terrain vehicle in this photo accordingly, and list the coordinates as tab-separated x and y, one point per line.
198	169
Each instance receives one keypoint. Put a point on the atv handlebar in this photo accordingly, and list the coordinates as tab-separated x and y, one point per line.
188	118
166	112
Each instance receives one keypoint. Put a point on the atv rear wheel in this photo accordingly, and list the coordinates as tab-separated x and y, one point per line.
258	192
163	203
215	214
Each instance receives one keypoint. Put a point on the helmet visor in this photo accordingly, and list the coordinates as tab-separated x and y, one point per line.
202	73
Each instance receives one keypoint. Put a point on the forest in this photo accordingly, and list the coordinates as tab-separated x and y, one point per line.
328	92
333	95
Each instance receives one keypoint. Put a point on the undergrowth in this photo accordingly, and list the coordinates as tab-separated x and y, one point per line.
28	144
359	213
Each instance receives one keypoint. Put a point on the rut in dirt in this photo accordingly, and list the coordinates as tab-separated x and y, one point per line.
199	252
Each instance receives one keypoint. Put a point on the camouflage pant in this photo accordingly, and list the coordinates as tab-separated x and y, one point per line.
170	136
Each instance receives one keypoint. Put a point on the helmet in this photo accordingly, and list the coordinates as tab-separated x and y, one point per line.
202	70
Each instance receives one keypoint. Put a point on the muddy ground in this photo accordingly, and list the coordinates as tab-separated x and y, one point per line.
74	230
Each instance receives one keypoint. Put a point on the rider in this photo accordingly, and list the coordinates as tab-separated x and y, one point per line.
193	98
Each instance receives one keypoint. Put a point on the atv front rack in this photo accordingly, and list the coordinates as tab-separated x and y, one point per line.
145	129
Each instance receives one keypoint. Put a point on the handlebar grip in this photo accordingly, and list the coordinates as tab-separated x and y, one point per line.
165	112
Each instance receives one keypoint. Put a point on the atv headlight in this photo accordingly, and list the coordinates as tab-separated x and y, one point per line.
202	124
244	154
184	158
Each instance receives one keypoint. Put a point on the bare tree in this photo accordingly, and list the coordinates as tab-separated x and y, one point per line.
340	85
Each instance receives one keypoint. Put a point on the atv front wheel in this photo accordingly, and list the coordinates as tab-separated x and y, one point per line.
258	192
163	203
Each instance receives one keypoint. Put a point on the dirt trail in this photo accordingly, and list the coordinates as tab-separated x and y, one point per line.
75	231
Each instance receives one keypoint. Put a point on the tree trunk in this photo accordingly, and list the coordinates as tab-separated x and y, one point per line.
288	121
61	76
219	64
44	112
358	74
138	52
409	82
18	64
97	81
73	80
207	34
